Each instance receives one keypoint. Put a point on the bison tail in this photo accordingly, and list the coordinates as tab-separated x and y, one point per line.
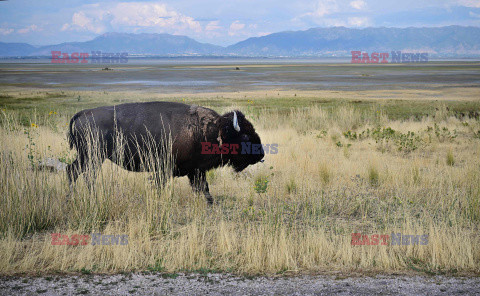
71	139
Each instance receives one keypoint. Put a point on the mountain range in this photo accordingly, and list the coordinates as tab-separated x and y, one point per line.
333	41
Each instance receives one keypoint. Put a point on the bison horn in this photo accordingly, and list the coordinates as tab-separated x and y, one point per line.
235	122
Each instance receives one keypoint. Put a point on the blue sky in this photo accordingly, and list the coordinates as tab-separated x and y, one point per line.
221	22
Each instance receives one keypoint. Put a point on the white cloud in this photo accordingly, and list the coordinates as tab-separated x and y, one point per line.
31	28
130	16
470	3
473	14
359	21
358	4
6	31
260	34
213	26
335	13
345	22
83	22
213	29
321	9
65	27
325	7
236	28
157	15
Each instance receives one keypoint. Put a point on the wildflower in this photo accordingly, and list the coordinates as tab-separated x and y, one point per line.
34	125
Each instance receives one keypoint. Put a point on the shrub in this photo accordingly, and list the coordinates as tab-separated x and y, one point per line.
261	184
450	158
373	176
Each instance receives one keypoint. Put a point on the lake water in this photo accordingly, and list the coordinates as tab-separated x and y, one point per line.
171	75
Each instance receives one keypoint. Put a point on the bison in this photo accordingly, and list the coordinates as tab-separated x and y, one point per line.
130	135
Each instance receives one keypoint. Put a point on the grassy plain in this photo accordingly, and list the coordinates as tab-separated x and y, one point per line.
371	161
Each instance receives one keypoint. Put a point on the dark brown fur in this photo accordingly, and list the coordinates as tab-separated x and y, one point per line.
143	123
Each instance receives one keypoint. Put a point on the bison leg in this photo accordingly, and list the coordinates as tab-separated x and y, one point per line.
91	176
73	170
82	165
160	179
198	180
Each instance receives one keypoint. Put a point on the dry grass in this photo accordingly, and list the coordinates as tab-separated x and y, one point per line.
322	186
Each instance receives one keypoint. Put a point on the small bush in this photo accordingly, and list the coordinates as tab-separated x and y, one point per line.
407	142
261	184
442	133
291	186
450	158
373	176
325	174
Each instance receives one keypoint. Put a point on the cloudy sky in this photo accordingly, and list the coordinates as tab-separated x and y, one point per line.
221	22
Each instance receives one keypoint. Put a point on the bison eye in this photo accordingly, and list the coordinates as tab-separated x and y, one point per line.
245	138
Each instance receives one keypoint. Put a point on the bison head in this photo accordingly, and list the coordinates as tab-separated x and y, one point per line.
236	129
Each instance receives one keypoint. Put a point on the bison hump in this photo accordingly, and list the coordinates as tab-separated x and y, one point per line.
193	109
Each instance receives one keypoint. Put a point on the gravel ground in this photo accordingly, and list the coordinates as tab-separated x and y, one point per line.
224	284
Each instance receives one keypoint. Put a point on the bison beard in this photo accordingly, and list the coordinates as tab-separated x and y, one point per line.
160	137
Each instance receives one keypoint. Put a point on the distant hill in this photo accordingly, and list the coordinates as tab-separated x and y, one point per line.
451	40
335	41
16	49
151	44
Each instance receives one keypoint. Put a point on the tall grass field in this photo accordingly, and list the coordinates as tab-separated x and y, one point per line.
374	167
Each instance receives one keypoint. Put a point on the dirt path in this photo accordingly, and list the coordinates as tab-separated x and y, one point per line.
221	284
